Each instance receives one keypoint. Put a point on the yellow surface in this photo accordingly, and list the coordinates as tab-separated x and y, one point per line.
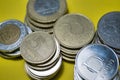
16	9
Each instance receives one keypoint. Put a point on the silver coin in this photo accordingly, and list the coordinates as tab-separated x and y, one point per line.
38	47
97	62
74	30
9	42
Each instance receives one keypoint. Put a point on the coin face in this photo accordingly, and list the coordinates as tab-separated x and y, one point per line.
12	33
46	7
9	34
74	30
97	62
46	11
38	47
109	29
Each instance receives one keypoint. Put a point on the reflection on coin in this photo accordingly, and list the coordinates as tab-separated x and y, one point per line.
109	29
46	11
12	33
97	62
74	30
38	47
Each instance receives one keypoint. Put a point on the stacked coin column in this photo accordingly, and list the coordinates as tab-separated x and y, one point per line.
96	62
12	32
41	51
42	14
73	31
108	32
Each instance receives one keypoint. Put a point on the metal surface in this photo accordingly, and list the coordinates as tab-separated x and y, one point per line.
39	46
16	44
45	14
109	29
97	62
74	30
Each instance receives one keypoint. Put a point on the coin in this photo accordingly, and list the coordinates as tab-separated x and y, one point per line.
97	62
48	73
34	28
38	47
41	25
74	30
46	11
12	33
109	29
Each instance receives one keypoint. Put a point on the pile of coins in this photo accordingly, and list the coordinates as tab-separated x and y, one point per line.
42	14
108	32
41	51
96	62
73	31
12	32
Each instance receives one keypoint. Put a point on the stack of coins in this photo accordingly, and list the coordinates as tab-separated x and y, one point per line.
41	51
12	33
73	31
42	14
108	32
96	62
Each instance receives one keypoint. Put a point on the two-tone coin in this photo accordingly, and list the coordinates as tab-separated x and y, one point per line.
41	51
73	31
97	62
12	32
42	14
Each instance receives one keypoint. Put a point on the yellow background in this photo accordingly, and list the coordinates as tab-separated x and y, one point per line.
16	9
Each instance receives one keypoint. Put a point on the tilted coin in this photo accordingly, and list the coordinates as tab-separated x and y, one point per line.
97	62
74	30
46	11
12	33
38	47
109	29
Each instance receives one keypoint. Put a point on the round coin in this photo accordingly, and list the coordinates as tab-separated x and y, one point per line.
97	62
38	47
74	30
46	11
12	33
109	29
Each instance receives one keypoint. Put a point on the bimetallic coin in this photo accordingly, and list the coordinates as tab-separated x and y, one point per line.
97	62
46	11
12	33
38	47
109	29
74	30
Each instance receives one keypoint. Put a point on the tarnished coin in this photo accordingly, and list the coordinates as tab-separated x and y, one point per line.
38	47
12	33
109	29
74	30
97	62
46	11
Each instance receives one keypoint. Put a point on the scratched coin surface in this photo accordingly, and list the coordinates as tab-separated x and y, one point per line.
38	47
109	29
74	30
46	11
97	62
